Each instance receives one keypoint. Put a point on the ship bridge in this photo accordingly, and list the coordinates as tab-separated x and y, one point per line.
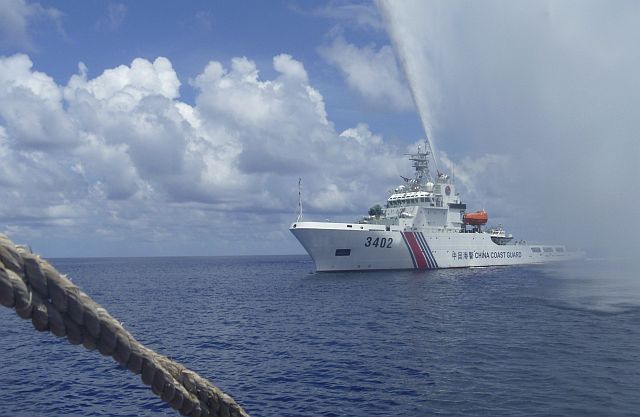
423	201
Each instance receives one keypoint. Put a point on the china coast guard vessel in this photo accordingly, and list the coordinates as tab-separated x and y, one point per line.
424	225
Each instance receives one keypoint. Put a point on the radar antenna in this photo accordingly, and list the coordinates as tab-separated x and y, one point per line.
421	164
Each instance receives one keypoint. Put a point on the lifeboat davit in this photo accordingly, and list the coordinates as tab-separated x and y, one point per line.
476	219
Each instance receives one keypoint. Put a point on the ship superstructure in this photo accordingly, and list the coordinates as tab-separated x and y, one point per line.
424	202
424	225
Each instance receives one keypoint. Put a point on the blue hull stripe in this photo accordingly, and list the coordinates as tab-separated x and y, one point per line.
427	250
435	263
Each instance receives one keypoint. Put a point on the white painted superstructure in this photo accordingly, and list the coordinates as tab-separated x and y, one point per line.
423	226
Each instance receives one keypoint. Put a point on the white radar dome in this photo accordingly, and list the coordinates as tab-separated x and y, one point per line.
429	186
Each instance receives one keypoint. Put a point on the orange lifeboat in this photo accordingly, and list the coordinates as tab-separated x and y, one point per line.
476	219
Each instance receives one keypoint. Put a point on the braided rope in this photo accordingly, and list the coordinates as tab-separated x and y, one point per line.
37	291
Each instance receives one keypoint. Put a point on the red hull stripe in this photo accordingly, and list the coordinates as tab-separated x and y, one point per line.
415	249
413	258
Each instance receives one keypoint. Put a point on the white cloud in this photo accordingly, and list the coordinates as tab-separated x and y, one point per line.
125	86
32	107
121	152
362	134
289	67
15	18
371	72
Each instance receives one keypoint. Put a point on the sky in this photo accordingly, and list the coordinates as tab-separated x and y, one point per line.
128	129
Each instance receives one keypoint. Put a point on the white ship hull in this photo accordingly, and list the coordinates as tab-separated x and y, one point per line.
423	225
353	247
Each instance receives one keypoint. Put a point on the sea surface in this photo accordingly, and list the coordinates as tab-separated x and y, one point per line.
547	340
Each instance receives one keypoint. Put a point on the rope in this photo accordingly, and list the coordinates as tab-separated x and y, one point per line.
37	291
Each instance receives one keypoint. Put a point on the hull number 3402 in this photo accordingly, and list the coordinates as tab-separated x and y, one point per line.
379	242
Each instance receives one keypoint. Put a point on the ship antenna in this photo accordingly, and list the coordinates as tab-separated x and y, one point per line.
299	199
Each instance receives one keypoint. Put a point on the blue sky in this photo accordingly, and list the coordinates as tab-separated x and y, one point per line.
104	35
181	128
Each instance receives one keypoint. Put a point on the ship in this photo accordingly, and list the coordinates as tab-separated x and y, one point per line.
423	225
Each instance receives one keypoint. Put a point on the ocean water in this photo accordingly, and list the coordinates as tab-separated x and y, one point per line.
507	341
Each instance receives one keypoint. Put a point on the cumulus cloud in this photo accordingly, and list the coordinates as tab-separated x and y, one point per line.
370	71
362	134
31	106
120	155
15	18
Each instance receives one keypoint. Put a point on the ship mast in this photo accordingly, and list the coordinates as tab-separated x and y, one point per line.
421	164
299	200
